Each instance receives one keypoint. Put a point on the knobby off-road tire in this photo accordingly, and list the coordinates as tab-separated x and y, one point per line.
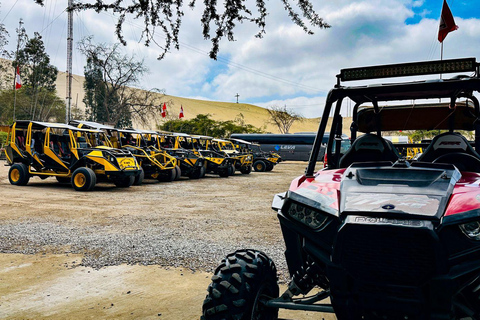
259	166
139	178
237	285
18	174
125	182
83	179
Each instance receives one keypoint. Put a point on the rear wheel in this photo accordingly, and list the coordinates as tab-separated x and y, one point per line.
240	282
259	166
83	179
246	170
224	172
139	178
231	170
125	182
18	174
178	172
198	173
167	175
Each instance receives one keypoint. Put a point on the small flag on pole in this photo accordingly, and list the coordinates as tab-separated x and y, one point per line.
164	110
447	23
180	116
18	81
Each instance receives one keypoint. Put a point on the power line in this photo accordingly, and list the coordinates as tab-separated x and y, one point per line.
231	63
9	11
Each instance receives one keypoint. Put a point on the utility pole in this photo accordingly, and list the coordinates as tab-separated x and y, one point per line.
69	62
19	32
237	95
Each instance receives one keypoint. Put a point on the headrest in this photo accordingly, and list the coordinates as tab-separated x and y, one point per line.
450	141
369	142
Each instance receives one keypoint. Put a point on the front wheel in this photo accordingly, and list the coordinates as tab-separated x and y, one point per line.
139	178
125	182
83	179
259	166
18	174
239	283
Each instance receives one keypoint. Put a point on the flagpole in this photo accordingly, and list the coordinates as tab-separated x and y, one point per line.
441	55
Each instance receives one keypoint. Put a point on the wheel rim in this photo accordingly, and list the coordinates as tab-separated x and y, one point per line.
259	166
80	180
15	175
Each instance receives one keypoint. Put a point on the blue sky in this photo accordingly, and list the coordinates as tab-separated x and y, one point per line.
286	67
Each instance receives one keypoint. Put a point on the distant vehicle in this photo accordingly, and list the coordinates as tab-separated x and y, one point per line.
290	146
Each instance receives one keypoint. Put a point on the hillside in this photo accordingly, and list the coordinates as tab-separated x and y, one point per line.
220	111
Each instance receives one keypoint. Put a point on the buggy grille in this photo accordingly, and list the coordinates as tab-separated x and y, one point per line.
386	254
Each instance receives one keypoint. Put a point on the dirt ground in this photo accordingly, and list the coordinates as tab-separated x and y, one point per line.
53	283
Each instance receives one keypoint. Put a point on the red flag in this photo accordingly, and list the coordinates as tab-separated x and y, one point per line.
447	24
164	110
18	81
180	116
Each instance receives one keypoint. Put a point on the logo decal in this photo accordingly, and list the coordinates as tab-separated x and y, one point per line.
388	207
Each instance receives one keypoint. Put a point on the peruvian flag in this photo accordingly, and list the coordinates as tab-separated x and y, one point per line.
447	24
180	116
18	81
164	110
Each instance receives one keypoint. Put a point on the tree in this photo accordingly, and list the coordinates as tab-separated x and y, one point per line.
202	124
49	108
37	99
109	76
283	118
166	15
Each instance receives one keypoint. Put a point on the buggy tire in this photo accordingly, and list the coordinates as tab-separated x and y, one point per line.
198	173
269	167
167	175
231	170
259	166
203	171
139	178
246	170
83	179
125	182
18	174
224	173
178	173
63	179
239	282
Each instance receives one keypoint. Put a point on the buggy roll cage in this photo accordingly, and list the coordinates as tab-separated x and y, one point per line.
457	87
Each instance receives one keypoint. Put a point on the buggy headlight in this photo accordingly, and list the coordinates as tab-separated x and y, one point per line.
471	230
307	216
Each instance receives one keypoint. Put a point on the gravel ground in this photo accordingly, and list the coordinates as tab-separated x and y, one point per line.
187	223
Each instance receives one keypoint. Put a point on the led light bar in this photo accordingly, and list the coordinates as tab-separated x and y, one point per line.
409	69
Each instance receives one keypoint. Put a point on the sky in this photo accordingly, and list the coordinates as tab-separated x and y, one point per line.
286	68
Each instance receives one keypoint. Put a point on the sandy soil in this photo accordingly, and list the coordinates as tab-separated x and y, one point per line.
52	284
